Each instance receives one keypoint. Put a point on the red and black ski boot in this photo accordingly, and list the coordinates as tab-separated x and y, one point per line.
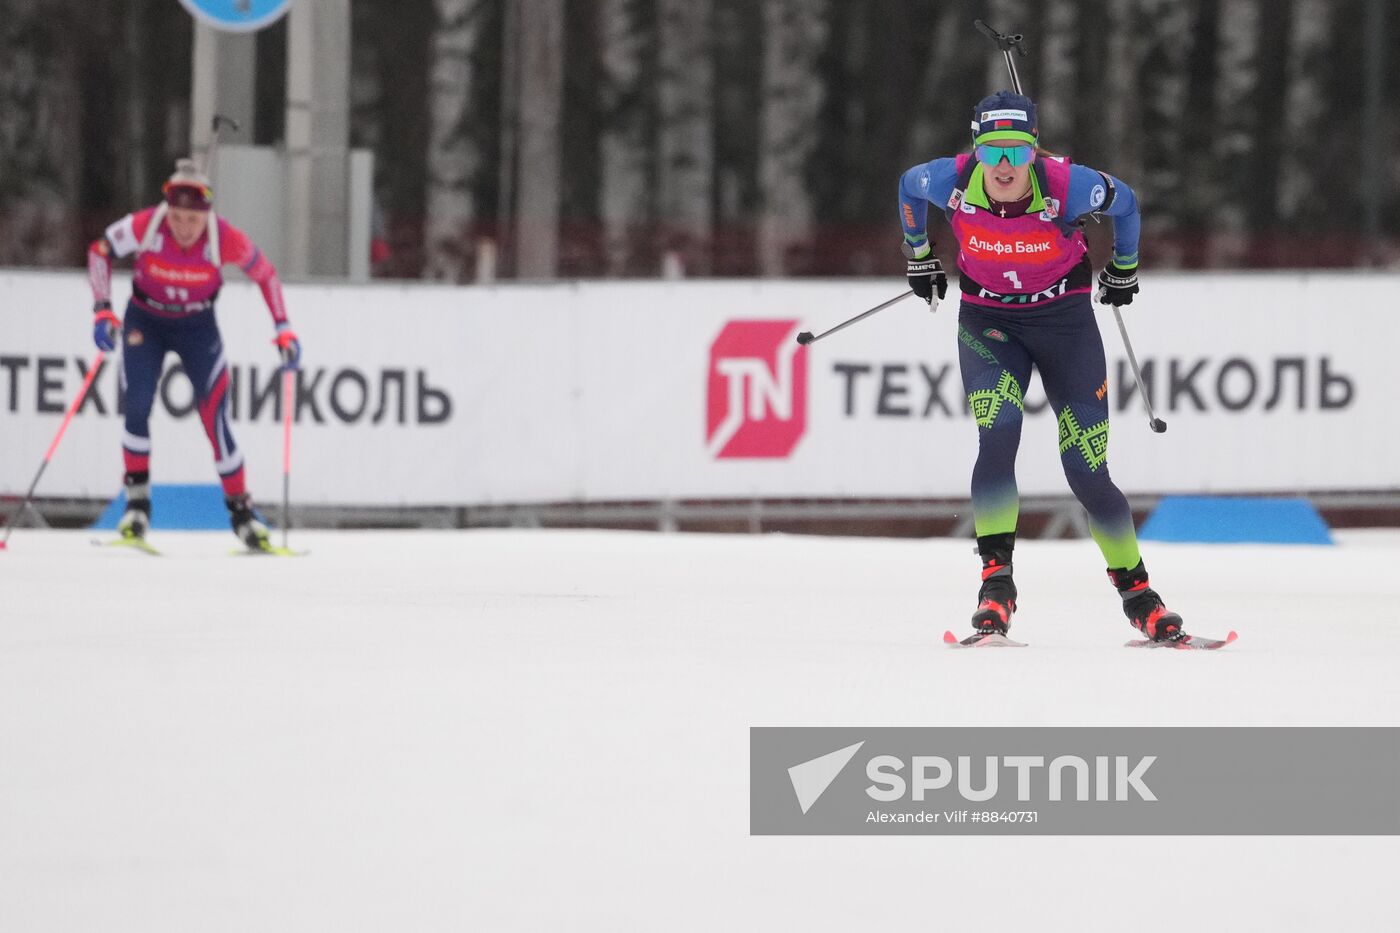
1143	607
996	600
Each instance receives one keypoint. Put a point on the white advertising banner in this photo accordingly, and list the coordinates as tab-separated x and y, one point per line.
435	395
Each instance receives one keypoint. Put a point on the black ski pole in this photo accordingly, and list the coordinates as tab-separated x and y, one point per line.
806	337
1153	422
1006	44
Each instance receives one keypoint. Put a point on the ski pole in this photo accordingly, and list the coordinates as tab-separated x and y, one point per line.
1007	44
288	381
28	496
1153	422
806	337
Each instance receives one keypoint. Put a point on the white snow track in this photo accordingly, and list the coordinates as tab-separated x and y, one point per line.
548	731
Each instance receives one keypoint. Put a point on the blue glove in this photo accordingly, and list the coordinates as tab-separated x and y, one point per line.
105	326
288	346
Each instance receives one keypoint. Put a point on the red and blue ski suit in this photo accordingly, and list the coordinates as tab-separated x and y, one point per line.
173	291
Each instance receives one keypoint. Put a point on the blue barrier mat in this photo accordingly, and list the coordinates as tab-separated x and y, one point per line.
1236	520
175	507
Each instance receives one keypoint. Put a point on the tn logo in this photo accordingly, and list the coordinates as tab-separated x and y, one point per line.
757	395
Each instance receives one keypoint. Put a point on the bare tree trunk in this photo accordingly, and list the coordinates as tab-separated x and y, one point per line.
40	148
1236	125
685	145
453	156
793	33
1305	102
1166	26
541	107
625	145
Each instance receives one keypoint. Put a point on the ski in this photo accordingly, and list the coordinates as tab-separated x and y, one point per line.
136	544
1186	643
271	550
981	640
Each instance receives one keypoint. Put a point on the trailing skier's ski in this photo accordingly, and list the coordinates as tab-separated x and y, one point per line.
270	550
136	544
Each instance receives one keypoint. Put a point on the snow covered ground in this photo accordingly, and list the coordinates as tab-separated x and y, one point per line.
529	730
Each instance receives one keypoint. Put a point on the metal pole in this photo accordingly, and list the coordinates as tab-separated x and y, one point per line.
1156	424
1011	67
806	337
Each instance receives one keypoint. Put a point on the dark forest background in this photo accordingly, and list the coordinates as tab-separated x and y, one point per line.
738	137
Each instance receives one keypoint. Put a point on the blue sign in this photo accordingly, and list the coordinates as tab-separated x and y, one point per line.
237	15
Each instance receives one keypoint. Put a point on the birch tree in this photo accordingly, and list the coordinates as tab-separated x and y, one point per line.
1236	129
1305	104
1059	52
624	147
454	155
1123	119
541	45
1166	25
793	33
739	32
931	133
685	128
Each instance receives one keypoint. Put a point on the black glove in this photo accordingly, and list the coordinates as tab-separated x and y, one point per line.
1117	285
926	275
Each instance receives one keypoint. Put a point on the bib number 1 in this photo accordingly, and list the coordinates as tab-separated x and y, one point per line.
1015	279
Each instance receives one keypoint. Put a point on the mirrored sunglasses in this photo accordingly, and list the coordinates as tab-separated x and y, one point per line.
991	155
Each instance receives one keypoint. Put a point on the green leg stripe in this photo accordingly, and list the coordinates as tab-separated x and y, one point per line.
1119	550
999	517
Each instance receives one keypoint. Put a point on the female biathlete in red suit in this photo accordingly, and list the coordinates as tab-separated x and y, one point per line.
179	248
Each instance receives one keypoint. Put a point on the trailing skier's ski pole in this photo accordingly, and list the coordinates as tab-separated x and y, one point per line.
288	403
28	496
